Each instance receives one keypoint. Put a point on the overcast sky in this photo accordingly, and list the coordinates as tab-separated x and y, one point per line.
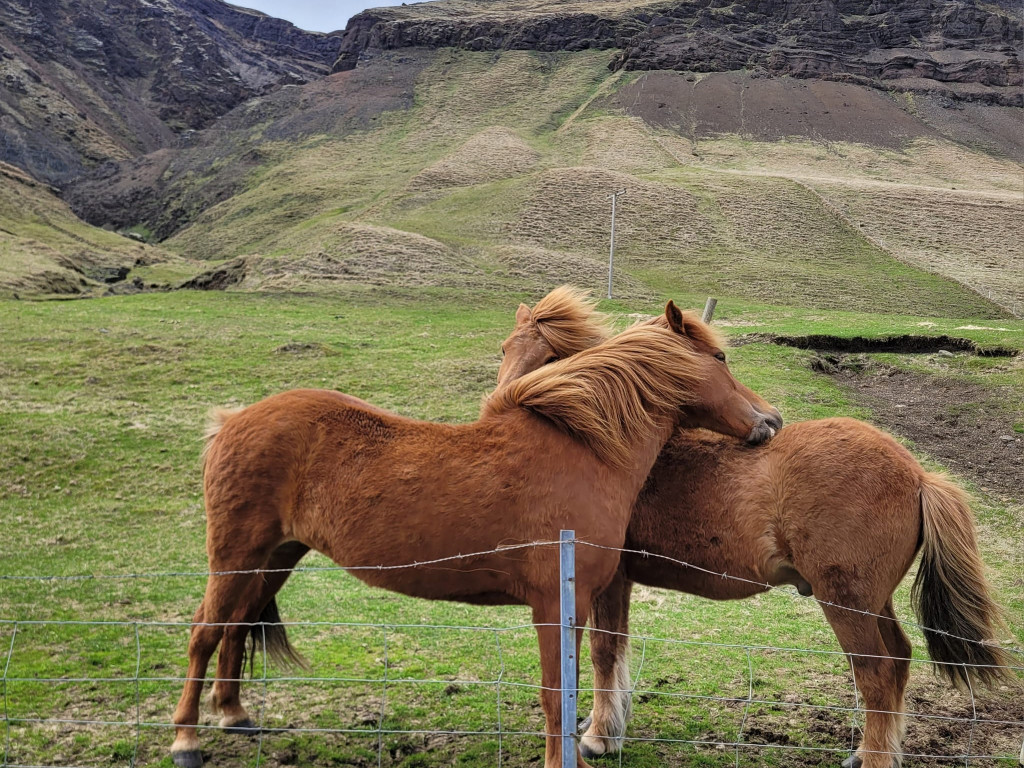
315	15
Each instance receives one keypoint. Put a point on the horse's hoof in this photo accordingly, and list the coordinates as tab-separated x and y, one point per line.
587	753
584	724
853	761
192	758
244	727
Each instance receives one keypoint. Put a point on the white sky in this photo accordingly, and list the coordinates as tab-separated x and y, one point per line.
315	15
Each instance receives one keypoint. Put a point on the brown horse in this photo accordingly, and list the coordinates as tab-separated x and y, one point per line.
835	507
568	446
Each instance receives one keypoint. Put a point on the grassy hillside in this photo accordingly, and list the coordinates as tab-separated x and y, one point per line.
46	249
498	173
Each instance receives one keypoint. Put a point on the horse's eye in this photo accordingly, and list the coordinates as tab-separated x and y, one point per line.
551	359
720	356
502	351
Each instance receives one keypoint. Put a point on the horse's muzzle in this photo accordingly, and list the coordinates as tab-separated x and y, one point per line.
767	425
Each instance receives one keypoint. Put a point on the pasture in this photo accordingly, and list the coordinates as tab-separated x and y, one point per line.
104	408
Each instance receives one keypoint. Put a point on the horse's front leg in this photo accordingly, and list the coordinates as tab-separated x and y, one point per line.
550	638
609	653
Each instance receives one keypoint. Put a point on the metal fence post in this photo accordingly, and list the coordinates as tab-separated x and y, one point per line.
567	576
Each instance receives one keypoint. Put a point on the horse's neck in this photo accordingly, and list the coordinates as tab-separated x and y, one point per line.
646	451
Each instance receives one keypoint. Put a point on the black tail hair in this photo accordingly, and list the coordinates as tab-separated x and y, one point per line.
269	638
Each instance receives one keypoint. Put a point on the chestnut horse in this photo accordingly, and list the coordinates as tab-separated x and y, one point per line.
835	507
568	446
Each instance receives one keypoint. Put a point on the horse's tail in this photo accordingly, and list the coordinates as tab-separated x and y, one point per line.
268	637
214	423
951	593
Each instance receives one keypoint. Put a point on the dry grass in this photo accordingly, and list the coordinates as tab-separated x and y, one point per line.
929	162
974	238
626	144
569	208
493	154
360	253
545	267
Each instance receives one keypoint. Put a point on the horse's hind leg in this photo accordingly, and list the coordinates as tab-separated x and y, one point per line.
898	643
225	694
217	607
609	653
876	676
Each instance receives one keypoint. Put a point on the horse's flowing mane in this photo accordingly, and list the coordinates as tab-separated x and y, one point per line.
568	320
607	396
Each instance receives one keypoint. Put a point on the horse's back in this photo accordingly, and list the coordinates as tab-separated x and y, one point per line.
256	462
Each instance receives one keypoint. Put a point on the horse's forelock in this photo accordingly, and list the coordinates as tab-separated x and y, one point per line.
698	329
568	320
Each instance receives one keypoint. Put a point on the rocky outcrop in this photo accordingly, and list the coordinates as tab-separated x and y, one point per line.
969	50
909	44
86	81
373	31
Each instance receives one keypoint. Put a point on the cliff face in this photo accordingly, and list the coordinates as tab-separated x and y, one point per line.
972	50
372	31
90	80
966	49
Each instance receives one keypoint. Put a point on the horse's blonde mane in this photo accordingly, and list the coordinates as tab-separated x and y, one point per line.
568	320
607	396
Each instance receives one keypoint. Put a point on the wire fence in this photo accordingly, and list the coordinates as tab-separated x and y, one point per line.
38	705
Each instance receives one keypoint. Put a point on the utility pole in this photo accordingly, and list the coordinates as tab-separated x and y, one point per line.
611	252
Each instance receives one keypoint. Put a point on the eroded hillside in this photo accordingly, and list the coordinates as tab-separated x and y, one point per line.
494	169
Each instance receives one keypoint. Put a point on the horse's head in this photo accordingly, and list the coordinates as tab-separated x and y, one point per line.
563	323
525	349
722	403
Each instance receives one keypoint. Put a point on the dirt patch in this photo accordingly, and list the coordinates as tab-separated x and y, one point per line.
941	723
967	427
906	343
769	109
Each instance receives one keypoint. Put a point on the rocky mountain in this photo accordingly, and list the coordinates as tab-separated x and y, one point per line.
86	81
967	50
794	150
89	81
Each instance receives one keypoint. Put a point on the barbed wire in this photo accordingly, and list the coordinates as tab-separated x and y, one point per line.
500	681
501	549
767	587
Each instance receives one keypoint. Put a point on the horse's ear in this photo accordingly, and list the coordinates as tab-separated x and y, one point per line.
675	318
523	314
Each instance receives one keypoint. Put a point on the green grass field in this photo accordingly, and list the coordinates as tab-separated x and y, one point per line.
104	407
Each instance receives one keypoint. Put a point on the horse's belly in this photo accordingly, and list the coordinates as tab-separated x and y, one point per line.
700	578
475	587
